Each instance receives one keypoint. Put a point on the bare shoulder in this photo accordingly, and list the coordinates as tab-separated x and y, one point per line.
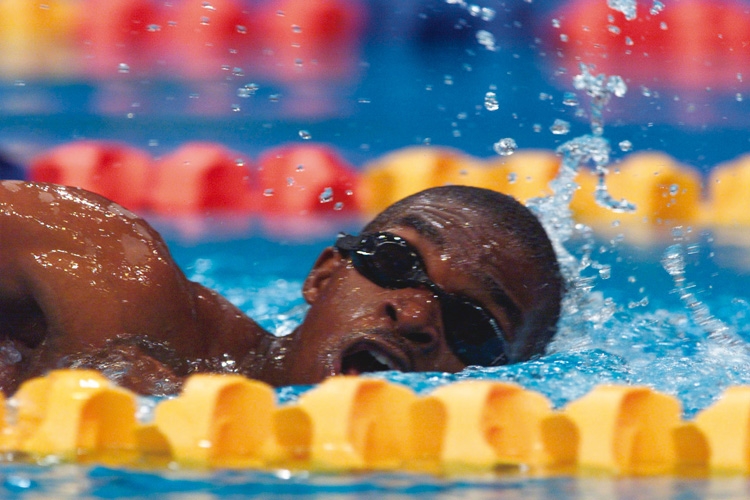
79	272
64	213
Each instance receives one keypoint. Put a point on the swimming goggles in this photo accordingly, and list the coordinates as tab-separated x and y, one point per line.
389	261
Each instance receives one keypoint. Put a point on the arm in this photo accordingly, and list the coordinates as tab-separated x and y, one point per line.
84	281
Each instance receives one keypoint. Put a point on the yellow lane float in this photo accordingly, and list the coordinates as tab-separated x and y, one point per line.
482	424
664	192
727	190
524	175
73	412
726	425
633	430
409	170
360	424
357	423
38	40
218	421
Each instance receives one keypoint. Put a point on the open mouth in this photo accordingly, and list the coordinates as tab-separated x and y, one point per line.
366	358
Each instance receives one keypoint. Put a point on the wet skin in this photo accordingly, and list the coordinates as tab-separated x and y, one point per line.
350	314
85	283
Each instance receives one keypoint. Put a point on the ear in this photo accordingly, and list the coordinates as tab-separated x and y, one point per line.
328	261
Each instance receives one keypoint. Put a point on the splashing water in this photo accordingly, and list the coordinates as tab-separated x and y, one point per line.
596	150
600	89
627	7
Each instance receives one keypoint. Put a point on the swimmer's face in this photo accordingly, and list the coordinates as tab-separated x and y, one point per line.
356	326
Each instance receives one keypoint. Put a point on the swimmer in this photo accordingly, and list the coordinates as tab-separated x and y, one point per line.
447	278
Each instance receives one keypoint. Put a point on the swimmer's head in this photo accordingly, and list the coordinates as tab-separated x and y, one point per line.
479	284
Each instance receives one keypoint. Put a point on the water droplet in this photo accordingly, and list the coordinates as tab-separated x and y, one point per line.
627	7
625	145
486	40
290	181
656	7
605	272
738	97
628	40
268	192
339	205
663	26
448	80
300	168
296	28
241	29
153	28
208	6
238	72
487	14
18	482
247	90
205	20
490	101
505	147
123	68
153	143
674	189
240	162
274	97
305	135
570	99
363	100
555	23
613	29
563	38
326	196
560	127
236	108
512	177
537	127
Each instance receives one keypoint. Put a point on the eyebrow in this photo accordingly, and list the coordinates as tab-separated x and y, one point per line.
497	293
423	227
500	297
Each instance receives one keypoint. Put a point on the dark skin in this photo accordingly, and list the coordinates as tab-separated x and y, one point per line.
85	283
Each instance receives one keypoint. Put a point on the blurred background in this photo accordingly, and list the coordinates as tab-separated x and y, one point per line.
251	93
371	75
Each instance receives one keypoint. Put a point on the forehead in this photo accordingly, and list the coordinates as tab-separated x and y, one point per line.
460	242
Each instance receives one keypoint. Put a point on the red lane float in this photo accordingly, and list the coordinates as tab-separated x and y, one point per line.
690	44
305	179
210	40
115	170
312	40
198	177
119	38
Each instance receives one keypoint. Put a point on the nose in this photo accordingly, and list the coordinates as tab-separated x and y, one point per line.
415	315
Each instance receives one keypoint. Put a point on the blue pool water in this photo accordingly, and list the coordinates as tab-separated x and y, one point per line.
631	326
423	81
67	482
615	336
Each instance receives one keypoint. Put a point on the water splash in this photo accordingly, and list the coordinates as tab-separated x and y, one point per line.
628	7
673	261
595	149
600	89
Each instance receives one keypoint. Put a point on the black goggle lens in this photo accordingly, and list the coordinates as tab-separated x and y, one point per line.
390	262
